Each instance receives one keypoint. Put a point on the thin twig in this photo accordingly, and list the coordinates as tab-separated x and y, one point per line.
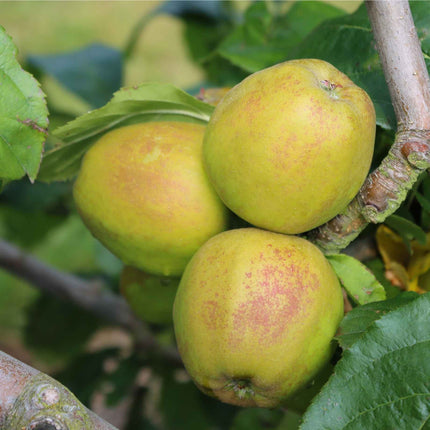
92	296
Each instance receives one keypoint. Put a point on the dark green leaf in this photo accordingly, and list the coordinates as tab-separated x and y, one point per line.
210	13
136	416
256	419
265	38
86	374
383	378
181	406
25	228
147	102
423	201
357	321
425	184
360	284
35	197
23	116
290	421
57	330
406	229
209	10
425	215
94	72
420	11
122	379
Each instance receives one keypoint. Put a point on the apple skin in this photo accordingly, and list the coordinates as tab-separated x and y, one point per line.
255	314
143	192
289	147
150	297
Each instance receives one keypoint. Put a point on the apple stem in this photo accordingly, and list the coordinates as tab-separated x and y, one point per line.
329	86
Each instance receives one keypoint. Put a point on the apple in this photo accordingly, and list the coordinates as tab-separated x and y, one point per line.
255	314
149	296
143	192
289	147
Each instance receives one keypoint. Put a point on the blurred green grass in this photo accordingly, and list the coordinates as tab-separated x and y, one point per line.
39	27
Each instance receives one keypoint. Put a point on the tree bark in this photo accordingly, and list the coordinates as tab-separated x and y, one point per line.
409	85
31	400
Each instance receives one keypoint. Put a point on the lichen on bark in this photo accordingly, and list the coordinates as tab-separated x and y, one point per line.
45	403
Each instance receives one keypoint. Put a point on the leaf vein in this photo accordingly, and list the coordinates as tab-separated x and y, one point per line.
385	404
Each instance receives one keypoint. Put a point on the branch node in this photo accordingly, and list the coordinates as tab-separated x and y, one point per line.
371	213
417	153
46	423
45	404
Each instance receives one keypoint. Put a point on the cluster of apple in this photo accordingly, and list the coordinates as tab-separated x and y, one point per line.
256	308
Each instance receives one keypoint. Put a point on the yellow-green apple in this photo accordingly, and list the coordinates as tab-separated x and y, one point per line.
149	296
289	147
143	192
255	314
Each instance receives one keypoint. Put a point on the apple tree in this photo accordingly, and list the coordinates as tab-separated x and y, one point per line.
108	344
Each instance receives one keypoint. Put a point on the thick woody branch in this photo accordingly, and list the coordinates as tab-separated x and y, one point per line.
402	61
30	399
92	296
409	84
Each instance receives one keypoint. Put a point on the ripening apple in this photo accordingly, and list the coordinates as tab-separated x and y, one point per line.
289	147
255	314
149	296
143	192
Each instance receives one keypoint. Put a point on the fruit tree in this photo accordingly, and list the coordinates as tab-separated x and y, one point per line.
240	244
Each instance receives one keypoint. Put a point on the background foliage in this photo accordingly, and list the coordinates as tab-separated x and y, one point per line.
186	46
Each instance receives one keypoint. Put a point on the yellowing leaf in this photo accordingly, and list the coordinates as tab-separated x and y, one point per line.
406	270
391	246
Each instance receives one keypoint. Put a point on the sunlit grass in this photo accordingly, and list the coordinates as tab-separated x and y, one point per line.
39	27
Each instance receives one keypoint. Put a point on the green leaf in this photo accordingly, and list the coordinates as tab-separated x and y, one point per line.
265	38
93	72
23	117
49	320
357	321
26	228
383	378
360	284
423	201
290	421
406	229
136	414
123	379
420	12
86	374
182	407
256	419
147	102
35	197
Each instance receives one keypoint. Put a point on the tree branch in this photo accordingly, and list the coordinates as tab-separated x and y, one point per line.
92	296
409	84
30	399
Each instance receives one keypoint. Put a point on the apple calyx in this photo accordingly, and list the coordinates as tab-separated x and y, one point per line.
241	387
